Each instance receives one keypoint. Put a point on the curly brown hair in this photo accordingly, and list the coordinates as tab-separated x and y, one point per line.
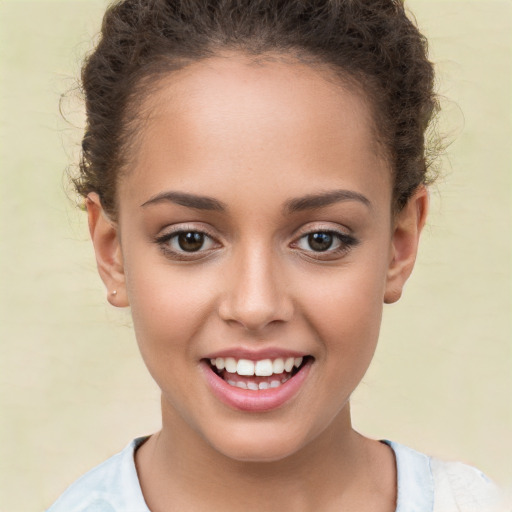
371	43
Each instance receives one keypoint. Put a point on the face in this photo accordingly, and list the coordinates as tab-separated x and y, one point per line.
255	246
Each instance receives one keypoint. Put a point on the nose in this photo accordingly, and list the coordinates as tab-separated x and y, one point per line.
255	292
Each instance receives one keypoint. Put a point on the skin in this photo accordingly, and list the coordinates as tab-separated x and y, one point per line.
254	137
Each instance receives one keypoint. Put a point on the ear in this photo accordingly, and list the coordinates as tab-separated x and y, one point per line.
404	243
105	238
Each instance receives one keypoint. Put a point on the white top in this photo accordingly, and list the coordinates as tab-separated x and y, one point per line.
425	484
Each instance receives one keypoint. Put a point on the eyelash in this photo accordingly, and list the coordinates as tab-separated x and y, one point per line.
345	241
163	242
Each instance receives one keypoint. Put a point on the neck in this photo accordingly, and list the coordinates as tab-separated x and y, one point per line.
179	470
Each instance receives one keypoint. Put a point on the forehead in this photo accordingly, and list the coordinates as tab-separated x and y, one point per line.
236	119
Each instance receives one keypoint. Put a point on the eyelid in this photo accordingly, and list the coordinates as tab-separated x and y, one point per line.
171	232
322	227
181	227
340	235
344	238
346	241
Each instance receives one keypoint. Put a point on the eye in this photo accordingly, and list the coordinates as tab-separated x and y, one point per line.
189	241
331	243
320	241
181	243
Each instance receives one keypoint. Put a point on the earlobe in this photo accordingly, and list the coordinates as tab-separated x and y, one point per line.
107	247
408	225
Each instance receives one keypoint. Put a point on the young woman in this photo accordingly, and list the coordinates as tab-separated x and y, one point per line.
255	179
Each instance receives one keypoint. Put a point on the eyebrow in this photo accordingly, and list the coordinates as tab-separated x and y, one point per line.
308	202
323	199
188	200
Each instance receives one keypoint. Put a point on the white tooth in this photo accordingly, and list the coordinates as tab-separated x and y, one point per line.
245	367
275	384
297	363
278	365
264	368
288	365
263	385
219	363
241	384
253	386
285	378
212	361
230	364
231	382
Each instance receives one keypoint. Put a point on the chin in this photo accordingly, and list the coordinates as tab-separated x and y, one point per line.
258	443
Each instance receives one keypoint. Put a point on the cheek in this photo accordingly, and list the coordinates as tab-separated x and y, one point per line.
345	308
345	313
169	305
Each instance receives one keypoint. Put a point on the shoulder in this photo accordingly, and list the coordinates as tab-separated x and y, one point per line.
462	487
109	487
429	484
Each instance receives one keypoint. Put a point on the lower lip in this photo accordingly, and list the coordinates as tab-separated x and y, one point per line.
254	401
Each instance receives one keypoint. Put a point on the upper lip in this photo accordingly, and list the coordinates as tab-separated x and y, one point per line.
255	354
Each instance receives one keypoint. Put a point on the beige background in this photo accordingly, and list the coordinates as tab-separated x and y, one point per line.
72	387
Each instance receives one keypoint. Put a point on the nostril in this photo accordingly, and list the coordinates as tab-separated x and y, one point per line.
254	292
255	315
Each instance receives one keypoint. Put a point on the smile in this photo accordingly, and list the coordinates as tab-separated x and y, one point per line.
269	373
256	385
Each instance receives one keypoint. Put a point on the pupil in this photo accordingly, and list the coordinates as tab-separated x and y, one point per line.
320	241
190	241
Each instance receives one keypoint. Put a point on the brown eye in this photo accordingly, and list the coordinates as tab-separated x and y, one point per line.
325	245
190	241
320	241
187	244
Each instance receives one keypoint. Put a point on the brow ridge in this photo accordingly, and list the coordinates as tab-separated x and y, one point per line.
194	201
298	204
323	199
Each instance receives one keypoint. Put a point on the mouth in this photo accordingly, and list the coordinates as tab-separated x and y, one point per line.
256	385
257	375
